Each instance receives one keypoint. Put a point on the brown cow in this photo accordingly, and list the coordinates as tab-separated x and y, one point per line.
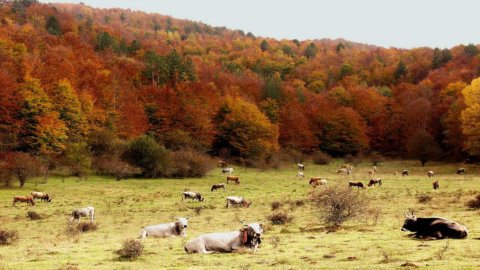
436	185
317	181
222	164
356	184
234	179
374	182
25	199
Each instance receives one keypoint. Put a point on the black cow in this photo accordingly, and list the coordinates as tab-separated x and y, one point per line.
434	227
436	185
460	170
356	184
405	173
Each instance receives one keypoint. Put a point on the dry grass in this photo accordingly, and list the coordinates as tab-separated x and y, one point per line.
8	237
131	250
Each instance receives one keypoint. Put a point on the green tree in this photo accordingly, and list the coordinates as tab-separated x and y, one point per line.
346	70
144	152
400	71
272	88
311	51
53	26
264	45
78	158
339	47
287	50
471	50
104	41
440	57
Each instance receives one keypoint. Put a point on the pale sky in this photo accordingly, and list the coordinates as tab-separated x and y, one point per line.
387	23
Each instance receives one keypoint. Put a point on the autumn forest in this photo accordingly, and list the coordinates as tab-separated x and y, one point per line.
75	80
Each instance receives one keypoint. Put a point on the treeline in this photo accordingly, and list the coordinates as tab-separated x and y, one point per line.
68	72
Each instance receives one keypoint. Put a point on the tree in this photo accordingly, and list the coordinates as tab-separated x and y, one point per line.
471	50
23	166
244	130
422	146
440	57
53	26
287	50
311	51
104	41
400	71
264	45
77	158
272	88
471	117
339	47
144	152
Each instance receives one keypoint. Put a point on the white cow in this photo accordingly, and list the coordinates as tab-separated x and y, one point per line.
227	170
172	229
300	174
237	200
301	166
430	173
88	211
247	237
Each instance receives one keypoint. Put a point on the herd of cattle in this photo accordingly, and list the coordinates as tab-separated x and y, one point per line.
249	236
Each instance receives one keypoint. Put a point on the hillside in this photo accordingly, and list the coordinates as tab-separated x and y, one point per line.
67	71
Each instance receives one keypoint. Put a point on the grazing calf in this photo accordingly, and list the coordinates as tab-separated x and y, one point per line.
217	186
227	170
172	229
317	181
405	173
300	174
88	211
236	200
460	170
248	237
430	173
192	195
301	166
356	184
436	185
25	199
222	164
233	179
41	195
375	181
434	227
343	171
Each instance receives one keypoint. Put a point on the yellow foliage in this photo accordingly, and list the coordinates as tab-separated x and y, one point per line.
471	117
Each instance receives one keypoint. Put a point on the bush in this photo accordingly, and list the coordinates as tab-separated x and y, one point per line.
22	165
131	249
321	158
338	204
8	237
87	226
144	152
188	163
279	218
105	142
474	203
176	140
34	215
275	205
112	165
424	198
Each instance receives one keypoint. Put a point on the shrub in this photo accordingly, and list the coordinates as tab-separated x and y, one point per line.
321	158
23	166
105	142
34	215
112	165
275	205
474	203
423	198
87	226
337	204
144	152
8	237
188	163
279	218
131	249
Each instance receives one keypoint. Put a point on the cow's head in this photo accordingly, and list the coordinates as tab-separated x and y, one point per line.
246	203
254	231
199	197
410	223
182	222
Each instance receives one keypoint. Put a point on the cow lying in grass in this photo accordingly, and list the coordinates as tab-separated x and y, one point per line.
193	195
217	186
25	199
239	201
172	229
248	237
41	195
434	227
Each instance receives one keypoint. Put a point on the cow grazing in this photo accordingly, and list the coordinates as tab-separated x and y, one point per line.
405	173
192	195
317	181
370	172
300	174
222	164
217	186
434	227
233	179
88	211
41	195
430	173
248	237
374	182
25	199
347	166
227	170
460	170
301	166
356	184
172	229
436	185
236	200
343	171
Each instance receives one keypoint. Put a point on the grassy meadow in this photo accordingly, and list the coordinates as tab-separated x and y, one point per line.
123	207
